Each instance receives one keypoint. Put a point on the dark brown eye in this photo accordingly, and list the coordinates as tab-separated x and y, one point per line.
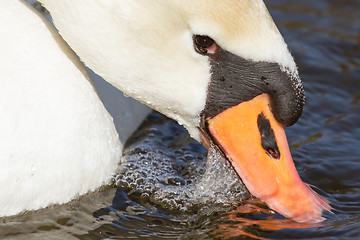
204	44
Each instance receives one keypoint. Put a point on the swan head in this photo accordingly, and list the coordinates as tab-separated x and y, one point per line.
220	68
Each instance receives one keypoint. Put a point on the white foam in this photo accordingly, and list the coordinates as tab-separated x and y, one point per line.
178	179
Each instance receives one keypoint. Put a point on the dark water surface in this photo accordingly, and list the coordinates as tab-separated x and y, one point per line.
165	191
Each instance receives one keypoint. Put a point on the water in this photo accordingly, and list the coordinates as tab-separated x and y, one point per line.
179	180
170	198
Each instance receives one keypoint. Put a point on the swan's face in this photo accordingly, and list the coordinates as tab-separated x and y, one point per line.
146	48
220	68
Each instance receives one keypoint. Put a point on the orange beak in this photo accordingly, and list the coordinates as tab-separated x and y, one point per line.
256	145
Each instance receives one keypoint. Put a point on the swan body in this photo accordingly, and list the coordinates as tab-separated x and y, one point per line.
57	139
220	68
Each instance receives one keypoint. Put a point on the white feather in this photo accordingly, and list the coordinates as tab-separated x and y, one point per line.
57	139
145	48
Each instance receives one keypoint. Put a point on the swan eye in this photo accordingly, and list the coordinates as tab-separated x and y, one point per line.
204	44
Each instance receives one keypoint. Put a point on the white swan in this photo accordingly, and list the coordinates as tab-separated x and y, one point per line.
220	68
58	141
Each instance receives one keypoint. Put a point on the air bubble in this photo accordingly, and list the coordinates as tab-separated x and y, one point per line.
182	179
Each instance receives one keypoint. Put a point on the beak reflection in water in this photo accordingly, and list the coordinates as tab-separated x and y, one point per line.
256	145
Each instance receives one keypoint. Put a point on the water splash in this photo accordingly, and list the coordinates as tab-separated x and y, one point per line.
164	166
220	183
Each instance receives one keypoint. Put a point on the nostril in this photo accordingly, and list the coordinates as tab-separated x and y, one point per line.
268	140
273	153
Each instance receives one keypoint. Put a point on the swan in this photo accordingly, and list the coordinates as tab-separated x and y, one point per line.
219	68
58	141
